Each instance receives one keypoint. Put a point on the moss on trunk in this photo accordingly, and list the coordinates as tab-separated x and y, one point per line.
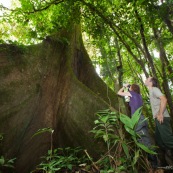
52	84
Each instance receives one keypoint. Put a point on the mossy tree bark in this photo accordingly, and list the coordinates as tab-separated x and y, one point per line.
52	84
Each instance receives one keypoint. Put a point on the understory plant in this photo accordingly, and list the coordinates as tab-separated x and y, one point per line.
124	152
65	160
6	164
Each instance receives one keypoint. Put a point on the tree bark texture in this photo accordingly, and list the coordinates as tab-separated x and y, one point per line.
52	84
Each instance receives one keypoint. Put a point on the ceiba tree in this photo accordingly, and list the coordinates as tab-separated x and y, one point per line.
51	84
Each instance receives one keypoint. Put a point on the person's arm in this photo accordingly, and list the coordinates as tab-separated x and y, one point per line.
121	92
163	102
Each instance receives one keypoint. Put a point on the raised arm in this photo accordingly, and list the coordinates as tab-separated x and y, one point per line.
121	92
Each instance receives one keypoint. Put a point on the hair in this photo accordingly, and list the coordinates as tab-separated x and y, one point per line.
135	88
154	81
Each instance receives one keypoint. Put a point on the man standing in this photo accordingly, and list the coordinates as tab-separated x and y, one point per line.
163	130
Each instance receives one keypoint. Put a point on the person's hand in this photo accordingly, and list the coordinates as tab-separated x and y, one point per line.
160	118
126	85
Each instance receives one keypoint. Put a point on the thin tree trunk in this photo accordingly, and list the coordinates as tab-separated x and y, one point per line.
165	83
119	83
114	28
120	65
165	10
147	53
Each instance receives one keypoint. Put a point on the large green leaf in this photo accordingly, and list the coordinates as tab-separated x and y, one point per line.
146	149
126	121
136	116
131	131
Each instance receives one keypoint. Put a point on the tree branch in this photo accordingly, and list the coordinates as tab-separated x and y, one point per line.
48	5
114	28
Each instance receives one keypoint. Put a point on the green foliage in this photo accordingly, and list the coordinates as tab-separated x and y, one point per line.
64	160
6	164
124	33
28	20
60	159
124	152
114	29
105	127
117	132
130	124
43	130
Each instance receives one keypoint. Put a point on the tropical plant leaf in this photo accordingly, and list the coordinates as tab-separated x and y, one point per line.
40	131
126	121
136	157
2	160
135	117
126	150
146	149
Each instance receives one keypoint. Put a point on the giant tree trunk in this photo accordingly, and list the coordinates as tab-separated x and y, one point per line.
52	84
